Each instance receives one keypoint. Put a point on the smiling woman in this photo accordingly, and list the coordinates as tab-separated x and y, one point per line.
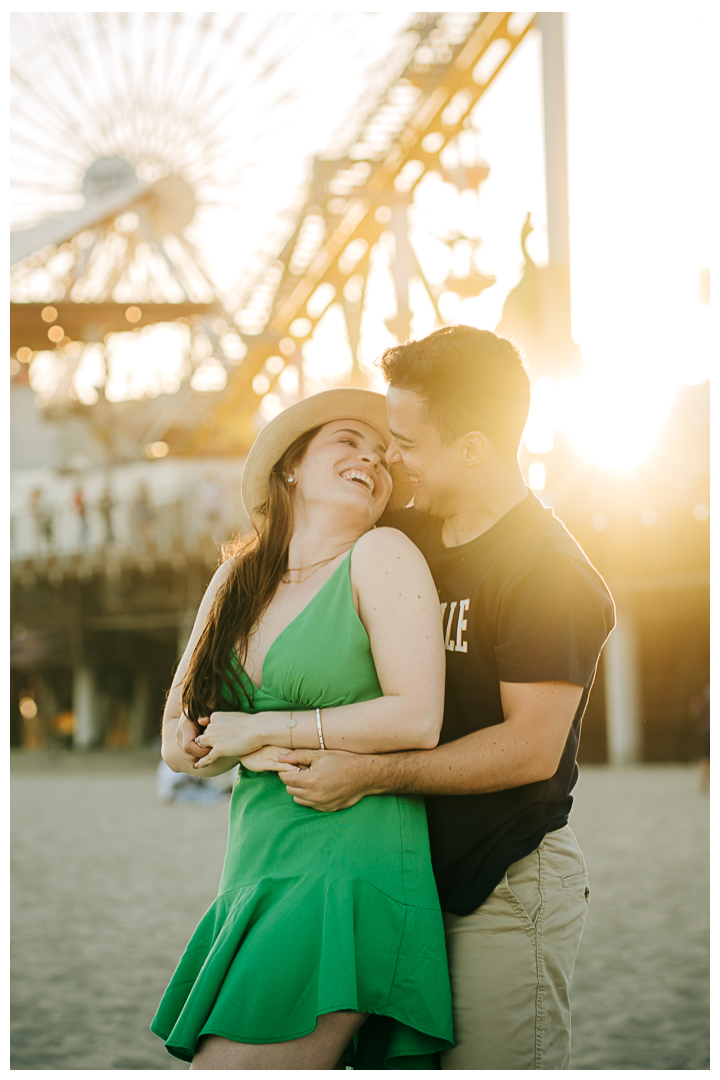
318	630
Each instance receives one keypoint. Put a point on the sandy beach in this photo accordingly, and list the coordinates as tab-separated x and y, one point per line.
108	884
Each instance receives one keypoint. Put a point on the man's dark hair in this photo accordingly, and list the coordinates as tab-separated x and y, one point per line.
469	380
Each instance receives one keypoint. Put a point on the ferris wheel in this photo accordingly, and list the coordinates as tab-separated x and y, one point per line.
199	109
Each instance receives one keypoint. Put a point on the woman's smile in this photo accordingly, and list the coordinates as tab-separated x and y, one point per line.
361	476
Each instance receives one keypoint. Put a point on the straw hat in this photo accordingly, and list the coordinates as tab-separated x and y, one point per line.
344	403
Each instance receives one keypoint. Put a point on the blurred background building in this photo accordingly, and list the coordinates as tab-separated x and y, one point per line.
211	221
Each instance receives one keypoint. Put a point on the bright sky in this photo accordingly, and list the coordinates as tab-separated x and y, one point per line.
640	164
640	170
640	149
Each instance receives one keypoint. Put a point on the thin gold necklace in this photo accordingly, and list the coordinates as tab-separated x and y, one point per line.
296	570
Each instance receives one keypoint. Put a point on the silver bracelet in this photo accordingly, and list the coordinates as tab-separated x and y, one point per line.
319	727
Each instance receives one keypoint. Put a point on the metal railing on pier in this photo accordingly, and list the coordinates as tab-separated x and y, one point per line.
64	523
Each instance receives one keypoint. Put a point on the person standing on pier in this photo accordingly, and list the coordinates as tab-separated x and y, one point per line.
43	520
106	506
80	511
144	519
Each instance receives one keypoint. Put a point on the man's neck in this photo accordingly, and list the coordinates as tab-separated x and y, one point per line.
483	506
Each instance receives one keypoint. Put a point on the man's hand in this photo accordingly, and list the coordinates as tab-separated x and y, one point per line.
185	737
326	780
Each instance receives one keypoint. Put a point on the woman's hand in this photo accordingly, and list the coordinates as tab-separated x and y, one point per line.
266	759
228	735
185	736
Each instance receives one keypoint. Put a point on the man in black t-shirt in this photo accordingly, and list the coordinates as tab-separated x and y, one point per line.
525	616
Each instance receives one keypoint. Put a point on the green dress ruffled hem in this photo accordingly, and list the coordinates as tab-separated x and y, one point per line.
323	944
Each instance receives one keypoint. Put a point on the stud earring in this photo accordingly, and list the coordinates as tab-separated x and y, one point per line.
291	478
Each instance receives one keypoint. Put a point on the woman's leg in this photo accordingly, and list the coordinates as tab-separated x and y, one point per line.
319	1050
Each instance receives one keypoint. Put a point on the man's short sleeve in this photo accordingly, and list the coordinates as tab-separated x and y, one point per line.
554	619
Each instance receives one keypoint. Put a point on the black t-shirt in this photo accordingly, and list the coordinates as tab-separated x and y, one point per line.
520	603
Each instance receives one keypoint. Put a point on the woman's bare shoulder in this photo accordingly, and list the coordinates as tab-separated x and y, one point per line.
387	549
390	575
220	576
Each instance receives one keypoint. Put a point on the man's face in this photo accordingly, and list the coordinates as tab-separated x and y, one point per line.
435	471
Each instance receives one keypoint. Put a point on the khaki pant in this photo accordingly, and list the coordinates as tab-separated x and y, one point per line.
511	963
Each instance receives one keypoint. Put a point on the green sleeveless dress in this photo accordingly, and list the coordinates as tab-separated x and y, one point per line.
318	912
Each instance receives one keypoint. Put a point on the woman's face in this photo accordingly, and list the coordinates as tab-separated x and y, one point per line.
345	465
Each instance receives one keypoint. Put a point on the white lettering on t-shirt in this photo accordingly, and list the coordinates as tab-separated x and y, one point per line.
456	645
450	645
460	645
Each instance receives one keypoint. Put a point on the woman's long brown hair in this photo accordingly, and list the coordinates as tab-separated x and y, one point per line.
260	560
